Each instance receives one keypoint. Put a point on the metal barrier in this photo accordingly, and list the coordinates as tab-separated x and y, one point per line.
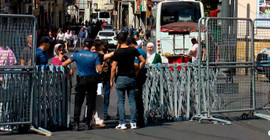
16	80
18	33
171	94
51	104
261	46
41	99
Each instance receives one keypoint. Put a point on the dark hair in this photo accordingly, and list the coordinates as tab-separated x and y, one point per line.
131	40
122	38
88	42
137	34
98	43
193	39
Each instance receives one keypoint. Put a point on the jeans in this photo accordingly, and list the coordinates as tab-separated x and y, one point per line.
140	80
89	86
107	90
125	83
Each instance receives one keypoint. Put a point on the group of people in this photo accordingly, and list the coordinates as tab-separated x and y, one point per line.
123	67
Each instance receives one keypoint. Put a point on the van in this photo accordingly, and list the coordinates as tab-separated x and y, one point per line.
104	16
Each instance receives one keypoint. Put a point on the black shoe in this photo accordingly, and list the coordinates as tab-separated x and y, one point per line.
107	117
88	127
76	126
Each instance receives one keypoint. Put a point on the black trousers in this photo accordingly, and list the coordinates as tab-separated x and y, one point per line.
140	80
86	86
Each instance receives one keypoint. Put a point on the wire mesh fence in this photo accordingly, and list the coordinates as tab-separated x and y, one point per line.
262	50
17	38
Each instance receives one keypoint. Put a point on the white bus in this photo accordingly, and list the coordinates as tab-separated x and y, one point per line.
173	13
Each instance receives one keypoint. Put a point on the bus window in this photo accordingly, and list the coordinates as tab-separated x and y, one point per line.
179	12
104	15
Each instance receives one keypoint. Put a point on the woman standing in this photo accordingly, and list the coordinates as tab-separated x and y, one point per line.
152	56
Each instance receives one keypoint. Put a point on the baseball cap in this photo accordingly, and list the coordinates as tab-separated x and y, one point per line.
88	42
44	39
131	40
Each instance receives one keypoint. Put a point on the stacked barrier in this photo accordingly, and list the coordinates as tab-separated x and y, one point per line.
172	94
51	99
42	100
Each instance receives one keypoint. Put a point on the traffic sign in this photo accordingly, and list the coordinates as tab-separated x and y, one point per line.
95	4
114	13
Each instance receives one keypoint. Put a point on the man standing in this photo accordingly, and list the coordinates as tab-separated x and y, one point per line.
26	54
87	63
194	51
124	59
140	80
138	40
42	53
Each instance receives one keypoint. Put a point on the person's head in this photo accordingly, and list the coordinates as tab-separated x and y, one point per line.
93	49
58	49
150	47
29	40
99	45
59	31
132	42
88	43
193	40
122	38
83	28
68	31
50	33
136	36
45	43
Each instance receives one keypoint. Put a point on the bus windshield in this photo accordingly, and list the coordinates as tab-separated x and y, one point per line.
104	15
180	12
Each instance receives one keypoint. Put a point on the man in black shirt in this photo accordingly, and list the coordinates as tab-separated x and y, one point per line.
124	59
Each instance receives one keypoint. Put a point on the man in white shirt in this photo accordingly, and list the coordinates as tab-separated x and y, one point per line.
194	51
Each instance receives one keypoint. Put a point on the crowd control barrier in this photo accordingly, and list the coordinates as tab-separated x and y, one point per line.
39	100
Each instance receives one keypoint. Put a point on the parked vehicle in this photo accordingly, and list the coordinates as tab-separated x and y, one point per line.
263	62
109	36
104	16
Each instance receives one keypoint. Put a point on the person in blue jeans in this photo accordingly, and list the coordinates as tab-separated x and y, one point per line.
124	59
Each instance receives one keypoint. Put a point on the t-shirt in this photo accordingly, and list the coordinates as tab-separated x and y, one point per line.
56	61
195	56
139	42
142	52
26	54
125	61
86	62
68	36
42	57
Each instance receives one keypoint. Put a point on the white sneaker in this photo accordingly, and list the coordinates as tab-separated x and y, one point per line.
133	125
121	127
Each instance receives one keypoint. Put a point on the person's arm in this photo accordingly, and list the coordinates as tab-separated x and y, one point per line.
142	62
108	55
66	63
113	72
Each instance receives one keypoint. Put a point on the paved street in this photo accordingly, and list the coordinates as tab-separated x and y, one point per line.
239	130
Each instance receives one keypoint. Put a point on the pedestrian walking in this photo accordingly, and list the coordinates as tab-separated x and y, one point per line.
68	37
124	59
87	63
